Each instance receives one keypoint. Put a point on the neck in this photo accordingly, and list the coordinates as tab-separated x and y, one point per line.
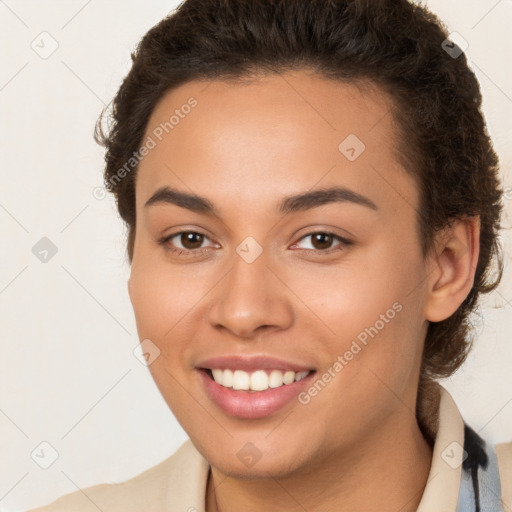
387	472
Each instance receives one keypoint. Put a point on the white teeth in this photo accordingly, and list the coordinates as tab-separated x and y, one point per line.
217	375
301	375
276	379
241	380
227	378
288	377
259	380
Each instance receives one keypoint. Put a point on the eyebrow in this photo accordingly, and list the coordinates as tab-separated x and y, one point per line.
290	204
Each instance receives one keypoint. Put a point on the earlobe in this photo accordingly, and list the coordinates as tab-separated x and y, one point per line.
455	262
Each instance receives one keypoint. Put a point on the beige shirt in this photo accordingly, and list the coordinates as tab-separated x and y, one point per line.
178	484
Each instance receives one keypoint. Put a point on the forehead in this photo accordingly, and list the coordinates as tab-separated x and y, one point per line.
279	134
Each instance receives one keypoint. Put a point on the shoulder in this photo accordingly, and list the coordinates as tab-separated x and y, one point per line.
147	491
487	474
504	456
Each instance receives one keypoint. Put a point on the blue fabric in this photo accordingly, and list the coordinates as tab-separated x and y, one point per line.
480	489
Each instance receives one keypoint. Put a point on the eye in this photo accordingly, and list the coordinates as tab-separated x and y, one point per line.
184	242
190	242
321	242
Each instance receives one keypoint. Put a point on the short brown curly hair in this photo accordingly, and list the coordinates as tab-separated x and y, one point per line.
394	44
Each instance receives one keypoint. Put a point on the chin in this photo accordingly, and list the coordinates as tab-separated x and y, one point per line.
251	463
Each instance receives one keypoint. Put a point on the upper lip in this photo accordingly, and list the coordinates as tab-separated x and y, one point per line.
251	363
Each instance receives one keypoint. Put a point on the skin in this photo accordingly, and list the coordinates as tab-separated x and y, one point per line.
356	446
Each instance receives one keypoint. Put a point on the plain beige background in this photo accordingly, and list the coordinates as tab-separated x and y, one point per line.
68	373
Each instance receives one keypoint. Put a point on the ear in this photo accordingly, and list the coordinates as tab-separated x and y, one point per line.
453	267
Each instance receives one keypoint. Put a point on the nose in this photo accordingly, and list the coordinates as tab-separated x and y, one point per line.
250	299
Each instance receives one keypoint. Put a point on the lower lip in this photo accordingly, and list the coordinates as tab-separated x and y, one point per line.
252	404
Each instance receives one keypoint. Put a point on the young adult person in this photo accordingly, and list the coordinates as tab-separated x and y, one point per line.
313	207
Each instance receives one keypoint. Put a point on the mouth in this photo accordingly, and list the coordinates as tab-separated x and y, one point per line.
253	394
255	381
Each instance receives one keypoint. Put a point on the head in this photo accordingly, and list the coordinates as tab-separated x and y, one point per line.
251	104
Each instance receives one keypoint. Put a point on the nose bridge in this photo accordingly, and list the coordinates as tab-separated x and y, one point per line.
250	296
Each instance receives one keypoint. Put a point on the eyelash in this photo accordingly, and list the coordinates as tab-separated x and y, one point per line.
194	252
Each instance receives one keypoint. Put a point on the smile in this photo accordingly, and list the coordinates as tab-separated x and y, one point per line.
259	380
256	394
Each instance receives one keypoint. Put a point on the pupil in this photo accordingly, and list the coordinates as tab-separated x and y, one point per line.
327	239
187	239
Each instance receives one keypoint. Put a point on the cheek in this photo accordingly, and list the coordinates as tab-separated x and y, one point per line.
159	297
160	304
375	318
149	298
355	294
167	301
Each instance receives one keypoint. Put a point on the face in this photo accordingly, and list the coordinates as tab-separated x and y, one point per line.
263	276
